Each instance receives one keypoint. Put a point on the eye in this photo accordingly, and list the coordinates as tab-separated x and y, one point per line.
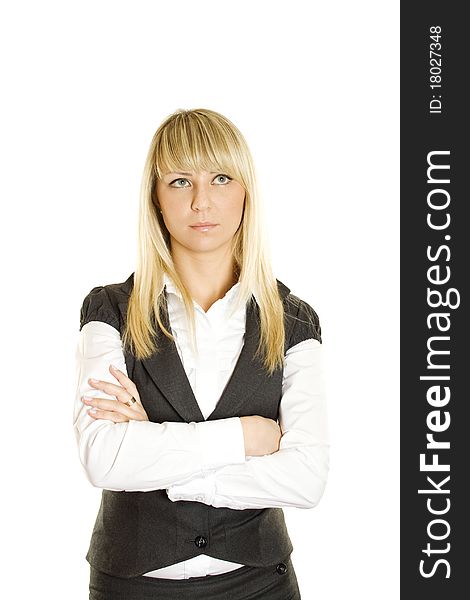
217	179
223	176
176	180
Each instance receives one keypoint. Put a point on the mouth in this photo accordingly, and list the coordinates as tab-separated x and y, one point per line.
203	226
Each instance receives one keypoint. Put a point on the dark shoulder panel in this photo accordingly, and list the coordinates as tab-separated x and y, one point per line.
97	306
302	322
105	303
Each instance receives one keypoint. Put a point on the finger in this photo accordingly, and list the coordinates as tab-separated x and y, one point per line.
113	416
122	394
124	380
106	386
129	387
109	405
100	384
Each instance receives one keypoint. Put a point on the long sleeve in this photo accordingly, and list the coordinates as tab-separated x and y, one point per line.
141	455
296	474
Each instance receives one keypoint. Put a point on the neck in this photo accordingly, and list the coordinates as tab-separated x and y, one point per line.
207	279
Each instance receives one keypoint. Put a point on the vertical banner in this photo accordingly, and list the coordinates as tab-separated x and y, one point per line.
435	357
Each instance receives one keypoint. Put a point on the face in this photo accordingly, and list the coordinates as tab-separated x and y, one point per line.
187	199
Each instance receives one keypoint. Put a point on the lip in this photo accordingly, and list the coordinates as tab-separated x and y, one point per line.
203	226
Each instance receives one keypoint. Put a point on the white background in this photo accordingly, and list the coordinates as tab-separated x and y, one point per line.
313	86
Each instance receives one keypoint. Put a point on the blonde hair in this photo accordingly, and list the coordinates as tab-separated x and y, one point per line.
201	139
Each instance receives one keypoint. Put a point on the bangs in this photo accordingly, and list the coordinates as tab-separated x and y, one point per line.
191	142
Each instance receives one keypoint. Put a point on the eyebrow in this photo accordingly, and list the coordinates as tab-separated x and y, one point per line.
189	174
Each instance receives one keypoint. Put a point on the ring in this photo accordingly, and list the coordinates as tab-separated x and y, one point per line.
131	401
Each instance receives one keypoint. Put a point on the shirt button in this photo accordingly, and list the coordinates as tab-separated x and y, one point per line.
200	541
281	568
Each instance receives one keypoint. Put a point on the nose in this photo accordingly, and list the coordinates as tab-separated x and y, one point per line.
201	200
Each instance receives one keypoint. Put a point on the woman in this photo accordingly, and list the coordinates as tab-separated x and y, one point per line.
211	351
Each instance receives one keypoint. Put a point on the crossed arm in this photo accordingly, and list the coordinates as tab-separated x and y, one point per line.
205	461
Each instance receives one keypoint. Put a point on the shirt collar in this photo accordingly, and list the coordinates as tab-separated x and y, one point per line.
172	289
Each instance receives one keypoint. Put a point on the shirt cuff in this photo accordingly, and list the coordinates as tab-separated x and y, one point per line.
221	442
198	489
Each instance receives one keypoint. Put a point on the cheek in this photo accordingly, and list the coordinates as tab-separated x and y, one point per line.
237	202
238	208
237	213
173	212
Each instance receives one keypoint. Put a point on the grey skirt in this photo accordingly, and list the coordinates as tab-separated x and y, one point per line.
276	582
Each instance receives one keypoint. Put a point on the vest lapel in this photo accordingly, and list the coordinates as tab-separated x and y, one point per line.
247	374
168	374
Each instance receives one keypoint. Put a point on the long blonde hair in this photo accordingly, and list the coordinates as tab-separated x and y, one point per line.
201	139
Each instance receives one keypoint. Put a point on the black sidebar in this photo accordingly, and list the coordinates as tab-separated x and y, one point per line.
435	273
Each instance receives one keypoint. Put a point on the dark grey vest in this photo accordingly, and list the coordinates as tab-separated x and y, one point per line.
137	532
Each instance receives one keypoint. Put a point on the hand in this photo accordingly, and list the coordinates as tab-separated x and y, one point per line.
118	412
262	436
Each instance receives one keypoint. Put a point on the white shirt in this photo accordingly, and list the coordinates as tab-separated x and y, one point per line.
205	462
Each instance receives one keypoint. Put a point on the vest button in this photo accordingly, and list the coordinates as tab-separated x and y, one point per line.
200	541
281	568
